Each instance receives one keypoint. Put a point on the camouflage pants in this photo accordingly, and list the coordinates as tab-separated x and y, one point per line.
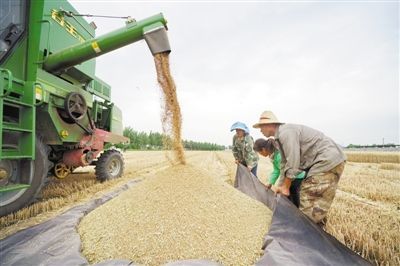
317	193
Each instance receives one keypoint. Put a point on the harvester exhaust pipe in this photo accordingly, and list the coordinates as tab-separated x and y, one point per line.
157	40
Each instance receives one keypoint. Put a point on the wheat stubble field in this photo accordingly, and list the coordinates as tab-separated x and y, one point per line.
365	215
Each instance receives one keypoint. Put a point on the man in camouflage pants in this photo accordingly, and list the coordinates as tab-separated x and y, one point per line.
306	149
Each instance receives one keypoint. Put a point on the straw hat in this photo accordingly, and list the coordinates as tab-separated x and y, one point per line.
267	117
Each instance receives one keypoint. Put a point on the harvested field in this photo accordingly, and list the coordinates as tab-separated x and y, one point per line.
371	182
369	228
365	214
390	166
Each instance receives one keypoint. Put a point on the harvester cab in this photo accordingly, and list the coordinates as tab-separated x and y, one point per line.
56	114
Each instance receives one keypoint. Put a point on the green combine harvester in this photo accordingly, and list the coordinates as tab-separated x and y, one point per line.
56	114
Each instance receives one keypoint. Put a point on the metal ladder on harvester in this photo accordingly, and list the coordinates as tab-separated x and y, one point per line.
17	110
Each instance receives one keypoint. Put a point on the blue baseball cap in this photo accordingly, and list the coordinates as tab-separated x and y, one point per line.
240	125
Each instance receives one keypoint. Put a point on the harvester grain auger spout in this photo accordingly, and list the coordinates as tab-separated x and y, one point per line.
152	29
157	39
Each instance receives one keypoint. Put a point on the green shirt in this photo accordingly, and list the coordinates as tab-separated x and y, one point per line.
276	172
243	150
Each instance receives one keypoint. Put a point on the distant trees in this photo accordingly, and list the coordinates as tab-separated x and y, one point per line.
143	140
154	141
389	145
202	146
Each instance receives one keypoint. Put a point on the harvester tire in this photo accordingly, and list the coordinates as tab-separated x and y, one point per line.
110	165
33	172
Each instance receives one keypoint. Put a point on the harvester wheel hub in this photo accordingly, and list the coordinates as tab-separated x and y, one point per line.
61	170
8	169
114	167
75	106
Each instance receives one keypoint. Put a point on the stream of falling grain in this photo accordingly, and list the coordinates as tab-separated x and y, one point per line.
171	117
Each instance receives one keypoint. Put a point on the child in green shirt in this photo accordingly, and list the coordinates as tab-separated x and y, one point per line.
267	148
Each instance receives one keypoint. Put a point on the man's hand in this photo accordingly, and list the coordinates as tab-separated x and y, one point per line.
236	161
268	186
284	188
249	168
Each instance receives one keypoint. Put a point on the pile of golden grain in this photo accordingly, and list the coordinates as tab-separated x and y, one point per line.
180	213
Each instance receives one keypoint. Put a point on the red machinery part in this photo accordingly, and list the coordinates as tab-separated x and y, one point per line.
89	147
79	157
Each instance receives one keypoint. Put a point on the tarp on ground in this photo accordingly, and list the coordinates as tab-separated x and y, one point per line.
293	239
55	242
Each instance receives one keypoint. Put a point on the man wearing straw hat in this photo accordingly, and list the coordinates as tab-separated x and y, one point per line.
306	149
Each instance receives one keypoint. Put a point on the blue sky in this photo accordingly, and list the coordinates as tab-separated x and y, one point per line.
330	65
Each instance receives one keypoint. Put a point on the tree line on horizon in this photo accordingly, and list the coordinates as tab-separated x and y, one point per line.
154	141
388	145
